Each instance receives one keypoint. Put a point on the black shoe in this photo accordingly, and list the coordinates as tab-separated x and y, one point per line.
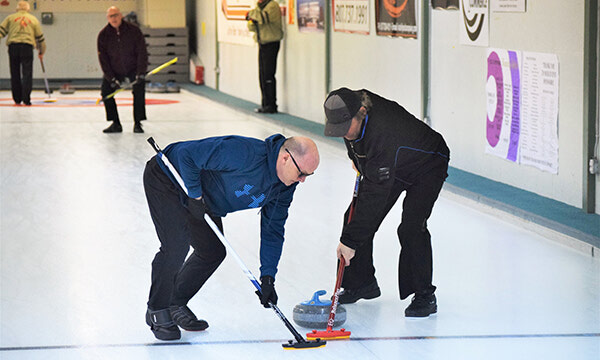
421	306
137	128
115	127
27	103
162	325
185	318
350	296
266	110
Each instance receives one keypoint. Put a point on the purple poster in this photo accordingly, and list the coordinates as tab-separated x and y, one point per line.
503	90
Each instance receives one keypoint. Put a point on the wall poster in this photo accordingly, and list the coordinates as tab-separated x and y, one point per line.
539	140
503	89
231	21
351	16
508	5
311	15
522	108
473	22
396	18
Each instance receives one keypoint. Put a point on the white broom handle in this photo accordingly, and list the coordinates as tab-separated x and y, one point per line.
221	237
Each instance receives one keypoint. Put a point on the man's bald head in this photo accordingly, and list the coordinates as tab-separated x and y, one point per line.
298	158
114	16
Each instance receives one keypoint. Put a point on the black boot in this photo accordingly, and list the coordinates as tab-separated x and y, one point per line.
266	110
349	296
421	306
137	128
115	127
162	325
185	318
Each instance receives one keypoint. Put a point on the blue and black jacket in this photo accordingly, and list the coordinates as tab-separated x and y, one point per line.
234	173
393	147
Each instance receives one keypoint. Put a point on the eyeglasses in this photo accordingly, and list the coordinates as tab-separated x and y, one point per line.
302	173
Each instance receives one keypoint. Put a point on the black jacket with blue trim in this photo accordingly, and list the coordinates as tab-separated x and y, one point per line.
394	146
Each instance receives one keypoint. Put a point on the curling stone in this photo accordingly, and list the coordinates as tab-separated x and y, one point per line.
314	313
66	89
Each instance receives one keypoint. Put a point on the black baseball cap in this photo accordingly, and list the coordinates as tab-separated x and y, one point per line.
340	107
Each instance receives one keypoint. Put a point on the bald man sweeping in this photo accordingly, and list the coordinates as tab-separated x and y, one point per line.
222	175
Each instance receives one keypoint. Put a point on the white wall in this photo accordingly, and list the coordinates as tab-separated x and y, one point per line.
206	36
71	46
459	101
391	67
303	88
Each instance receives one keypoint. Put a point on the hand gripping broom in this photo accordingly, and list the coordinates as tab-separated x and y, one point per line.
331	334
149	73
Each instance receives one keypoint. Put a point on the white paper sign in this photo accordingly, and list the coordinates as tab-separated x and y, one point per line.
473	22
508	5
539	134
351	16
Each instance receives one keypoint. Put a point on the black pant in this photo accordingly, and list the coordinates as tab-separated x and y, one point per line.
175	282
21	68
267	65
415	269
139	99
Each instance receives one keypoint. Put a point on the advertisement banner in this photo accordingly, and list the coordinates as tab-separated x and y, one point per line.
231	21
311	15
396	18
473	22
351	16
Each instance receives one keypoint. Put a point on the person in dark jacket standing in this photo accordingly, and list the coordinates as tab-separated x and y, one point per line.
23	32
395	153
265	21
122	54
222	175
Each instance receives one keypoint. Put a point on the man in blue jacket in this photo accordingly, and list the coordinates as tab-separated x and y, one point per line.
222	175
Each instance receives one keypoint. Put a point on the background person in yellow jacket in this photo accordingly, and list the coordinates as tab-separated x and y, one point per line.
23	32
265	22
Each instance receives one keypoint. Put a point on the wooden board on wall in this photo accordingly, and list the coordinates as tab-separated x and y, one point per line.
162	14
80	5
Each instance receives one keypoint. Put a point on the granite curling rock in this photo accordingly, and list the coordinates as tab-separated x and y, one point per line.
314	313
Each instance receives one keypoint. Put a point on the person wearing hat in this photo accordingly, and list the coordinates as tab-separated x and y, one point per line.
394	152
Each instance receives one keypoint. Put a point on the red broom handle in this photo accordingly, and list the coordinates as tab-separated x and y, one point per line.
336	293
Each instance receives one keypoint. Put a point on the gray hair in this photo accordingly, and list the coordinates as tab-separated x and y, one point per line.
365	101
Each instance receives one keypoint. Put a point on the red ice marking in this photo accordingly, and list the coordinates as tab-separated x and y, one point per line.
80	102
